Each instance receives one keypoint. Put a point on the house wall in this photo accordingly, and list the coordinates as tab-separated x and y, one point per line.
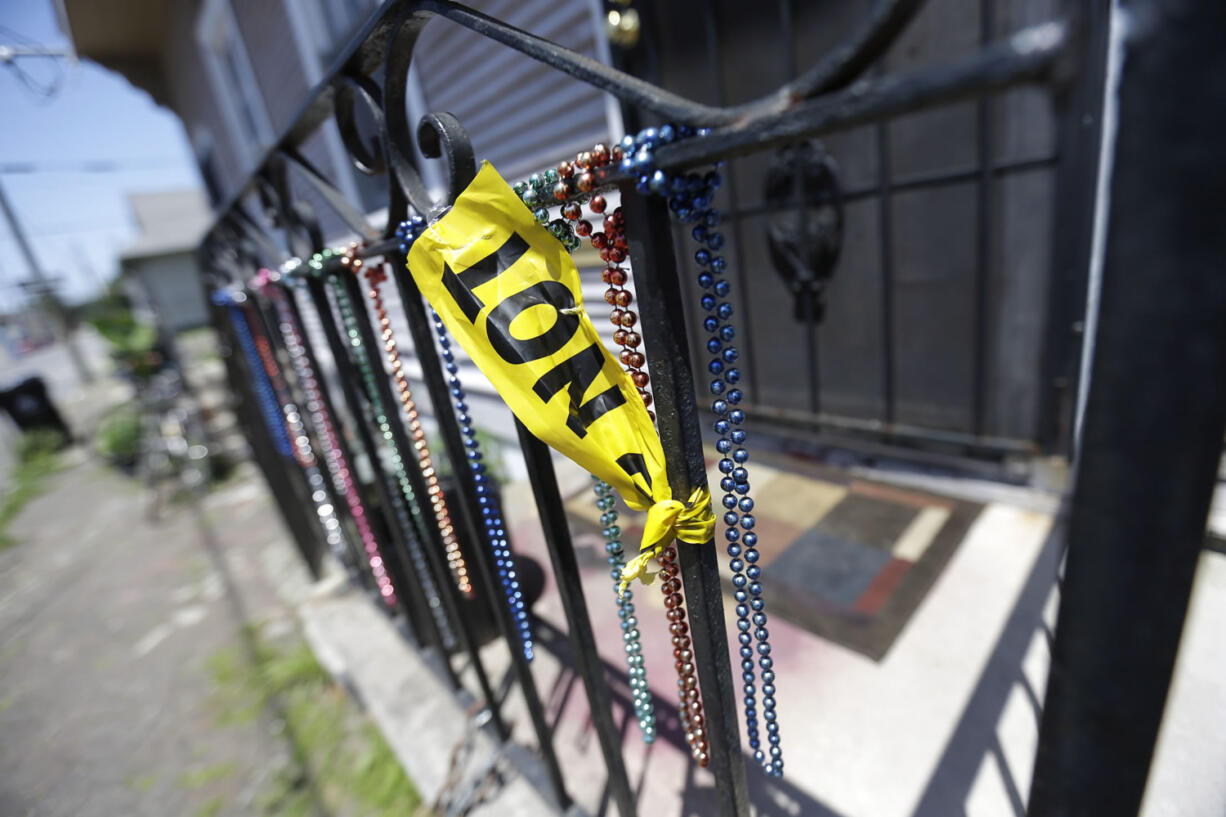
283	74
169	286
523	116
192	98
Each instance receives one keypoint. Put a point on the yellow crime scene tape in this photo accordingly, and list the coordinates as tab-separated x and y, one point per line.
509	293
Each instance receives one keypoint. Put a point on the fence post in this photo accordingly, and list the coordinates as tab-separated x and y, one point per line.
464	502
662	318
432	546
1154	418
539	461
409	588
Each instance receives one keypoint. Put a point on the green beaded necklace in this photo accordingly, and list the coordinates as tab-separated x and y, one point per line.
404	505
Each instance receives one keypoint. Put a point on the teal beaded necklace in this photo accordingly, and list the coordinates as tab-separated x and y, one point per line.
556	184
404	505
644	709
690	197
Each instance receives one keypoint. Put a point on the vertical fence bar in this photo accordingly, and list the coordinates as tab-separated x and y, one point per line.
432	546
465	502
1079	111
984	110
271	323
579	627
885	226
732	211
811	354
1154	418
663	328
284	477
342	445
410	589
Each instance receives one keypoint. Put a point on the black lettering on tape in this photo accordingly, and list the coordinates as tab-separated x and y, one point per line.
576	374
460	285
522	350
633	463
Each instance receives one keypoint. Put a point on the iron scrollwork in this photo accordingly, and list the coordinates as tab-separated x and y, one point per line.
806	242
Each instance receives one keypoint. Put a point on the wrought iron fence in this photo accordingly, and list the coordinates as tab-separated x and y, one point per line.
1145	467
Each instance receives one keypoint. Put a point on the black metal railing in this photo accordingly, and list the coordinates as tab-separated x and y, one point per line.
1145	466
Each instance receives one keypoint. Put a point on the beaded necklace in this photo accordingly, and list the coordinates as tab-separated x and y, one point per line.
282	417
303	453
375	276
343	477
690	196
269	409
487	496
562	183
404	503
644	708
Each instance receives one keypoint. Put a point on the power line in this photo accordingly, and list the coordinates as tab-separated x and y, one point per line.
91	165
27	47
65	229
17	35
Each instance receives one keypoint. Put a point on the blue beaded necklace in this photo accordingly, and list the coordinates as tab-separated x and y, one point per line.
270	409
495	529
690	196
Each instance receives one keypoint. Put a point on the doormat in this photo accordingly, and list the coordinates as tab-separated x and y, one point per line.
847	559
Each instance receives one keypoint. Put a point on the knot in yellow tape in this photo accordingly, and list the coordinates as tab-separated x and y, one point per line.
691	521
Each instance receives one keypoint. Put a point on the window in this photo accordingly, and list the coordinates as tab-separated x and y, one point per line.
206	159
233	80
334	22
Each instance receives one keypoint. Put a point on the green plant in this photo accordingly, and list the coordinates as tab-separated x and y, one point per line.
38	444
119	435
133	343
125	333
37	458
206	775
340	757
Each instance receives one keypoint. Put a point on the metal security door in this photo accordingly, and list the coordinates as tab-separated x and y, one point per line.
897	277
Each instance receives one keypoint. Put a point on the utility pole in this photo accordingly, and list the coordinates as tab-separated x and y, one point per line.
59	320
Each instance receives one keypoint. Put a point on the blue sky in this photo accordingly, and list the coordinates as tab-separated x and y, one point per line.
79	222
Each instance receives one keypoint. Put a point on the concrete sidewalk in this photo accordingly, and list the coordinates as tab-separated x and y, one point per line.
106	624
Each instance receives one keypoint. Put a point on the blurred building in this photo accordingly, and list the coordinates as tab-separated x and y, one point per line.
24	331
895	281
159	269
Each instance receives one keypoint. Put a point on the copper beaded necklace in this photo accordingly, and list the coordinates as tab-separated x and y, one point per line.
562	183
375	276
